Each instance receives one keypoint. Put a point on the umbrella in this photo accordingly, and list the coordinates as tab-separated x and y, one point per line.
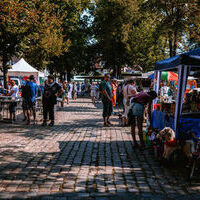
168	76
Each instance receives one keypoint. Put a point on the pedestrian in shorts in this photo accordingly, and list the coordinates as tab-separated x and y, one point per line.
29	94
106	90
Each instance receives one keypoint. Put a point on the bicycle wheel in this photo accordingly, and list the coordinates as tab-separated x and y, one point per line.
192	169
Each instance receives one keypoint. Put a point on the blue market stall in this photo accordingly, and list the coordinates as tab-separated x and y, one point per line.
184	64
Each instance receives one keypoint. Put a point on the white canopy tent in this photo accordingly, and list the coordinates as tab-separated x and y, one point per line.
22	68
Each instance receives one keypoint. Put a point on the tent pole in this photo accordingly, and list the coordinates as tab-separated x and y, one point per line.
158	82
182	73
157	75
185	76
157	85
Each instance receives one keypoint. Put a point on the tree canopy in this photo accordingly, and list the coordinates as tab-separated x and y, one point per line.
68	35
141	32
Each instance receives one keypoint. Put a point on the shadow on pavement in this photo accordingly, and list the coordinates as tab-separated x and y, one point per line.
100	196
43	170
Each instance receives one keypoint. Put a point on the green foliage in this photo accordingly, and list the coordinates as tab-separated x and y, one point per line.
141	32
11	32
40	30
58	35
76	30
144	49
45	37
111	27
177	19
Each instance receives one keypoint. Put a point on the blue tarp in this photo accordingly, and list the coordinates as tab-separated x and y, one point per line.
186	124
189	58
151	76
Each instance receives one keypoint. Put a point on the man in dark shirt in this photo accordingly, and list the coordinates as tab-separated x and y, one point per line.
51	91
106	91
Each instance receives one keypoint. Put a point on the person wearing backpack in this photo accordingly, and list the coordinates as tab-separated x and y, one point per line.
29	93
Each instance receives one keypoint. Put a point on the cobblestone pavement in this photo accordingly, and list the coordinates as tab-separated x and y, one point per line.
80	159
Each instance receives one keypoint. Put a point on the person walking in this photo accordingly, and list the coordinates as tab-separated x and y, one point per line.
106	91
51	91
29	93
137	106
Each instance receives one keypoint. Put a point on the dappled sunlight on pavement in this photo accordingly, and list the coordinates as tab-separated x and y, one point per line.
78	158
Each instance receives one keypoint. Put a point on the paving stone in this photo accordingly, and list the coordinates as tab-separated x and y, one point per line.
81	159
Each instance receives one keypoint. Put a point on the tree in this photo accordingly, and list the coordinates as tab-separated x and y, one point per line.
175	20
45	38
111	27
141	32
31	28
75	29
11	32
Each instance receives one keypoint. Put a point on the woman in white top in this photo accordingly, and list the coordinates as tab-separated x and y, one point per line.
93	92
128	91
69	93
14	93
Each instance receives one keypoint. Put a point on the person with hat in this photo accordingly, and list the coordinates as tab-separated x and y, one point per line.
29	93
52	90
14	93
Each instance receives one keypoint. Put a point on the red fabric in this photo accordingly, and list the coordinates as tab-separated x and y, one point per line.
172	76
171	143
25	78
114	92
157	106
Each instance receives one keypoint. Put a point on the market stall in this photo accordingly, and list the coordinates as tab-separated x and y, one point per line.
170	113
4	107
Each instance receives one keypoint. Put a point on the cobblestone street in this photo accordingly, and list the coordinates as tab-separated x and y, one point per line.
78	158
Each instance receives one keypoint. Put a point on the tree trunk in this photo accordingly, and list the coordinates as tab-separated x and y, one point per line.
68	75
64	76
118	71
51	71
5	73
61	76
114	71
175	43
170	48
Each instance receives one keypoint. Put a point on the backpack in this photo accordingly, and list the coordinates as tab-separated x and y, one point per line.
26	91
